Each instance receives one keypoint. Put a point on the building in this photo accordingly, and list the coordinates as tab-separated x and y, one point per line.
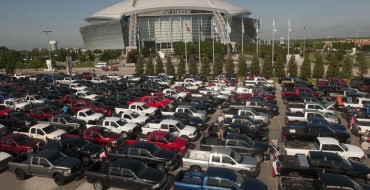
161	23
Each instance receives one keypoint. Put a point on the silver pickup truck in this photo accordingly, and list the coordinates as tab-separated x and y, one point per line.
223	157
46	163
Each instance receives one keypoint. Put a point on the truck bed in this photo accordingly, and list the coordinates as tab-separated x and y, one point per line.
297	183
298	114
197	155
294	144
212	141
185	178
98	167
298	161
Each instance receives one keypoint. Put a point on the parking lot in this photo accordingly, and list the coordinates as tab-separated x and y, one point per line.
9	181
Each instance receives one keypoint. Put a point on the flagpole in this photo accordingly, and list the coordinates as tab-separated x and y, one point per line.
242	37
186	58
273	44
213	47
288	38
199	41
304	40
257	37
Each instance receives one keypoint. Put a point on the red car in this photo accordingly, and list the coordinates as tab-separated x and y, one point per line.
95	106
183	89
70	99
110	68
43	113
5	110
165	140
88	75
153	101
16	144
100	135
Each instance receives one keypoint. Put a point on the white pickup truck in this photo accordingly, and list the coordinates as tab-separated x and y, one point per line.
42	131
357	103
87	95
77	87
134	117
173	126
140	108
189	110
118	125
173	93
89	116
326	144
35	99
327	108
17	104
190	81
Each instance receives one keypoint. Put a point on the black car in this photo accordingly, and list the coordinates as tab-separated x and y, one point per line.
148	153
17	120
77	147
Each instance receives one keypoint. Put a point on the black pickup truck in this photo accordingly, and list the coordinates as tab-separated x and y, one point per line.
309	131
260	134
240	143
148	153
77	147
127	174
17	120
318	162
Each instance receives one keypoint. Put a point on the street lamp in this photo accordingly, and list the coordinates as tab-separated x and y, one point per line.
51	65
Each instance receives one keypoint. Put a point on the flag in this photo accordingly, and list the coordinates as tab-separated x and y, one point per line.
228	27
256	25
273	24
289	29
187	28
214	26
138	34
242	26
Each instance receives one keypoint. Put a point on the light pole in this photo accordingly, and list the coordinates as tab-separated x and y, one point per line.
51	65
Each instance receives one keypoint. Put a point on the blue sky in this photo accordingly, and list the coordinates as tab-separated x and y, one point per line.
22	21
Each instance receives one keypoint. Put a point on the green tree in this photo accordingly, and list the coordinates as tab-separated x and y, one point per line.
132	56
242	66
145	52
181	67
318	69
333	67
90	56
159	66
230	67
206	69
306	67
61	54
255	67
217	66
267	71
36	64
347	67
139	65
170	69
292	66
279	66
8	60
340	54
193	67
19	65
149	66
362	65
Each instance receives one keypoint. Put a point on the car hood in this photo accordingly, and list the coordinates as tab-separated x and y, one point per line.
247	160
69	162
355	151
166	154
181	141
93	148
253	184
129	125
360	168
341	133
153	175
189	128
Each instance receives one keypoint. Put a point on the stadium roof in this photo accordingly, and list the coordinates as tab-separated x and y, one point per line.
129	7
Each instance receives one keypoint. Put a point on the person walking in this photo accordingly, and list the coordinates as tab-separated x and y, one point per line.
351	122
220	123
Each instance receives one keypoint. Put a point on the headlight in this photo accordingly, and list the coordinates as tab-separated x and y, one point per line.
253	169
156	186
67	172
27	123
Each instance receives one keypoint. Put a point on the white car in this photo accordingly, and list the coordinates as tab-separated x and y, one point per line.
113	76
35	99
87	95
97	80
20	76
78	87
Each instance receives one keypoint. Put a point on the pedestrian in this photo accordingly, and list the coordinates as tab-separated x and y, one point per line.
65	109
103	156
351	122
274	142
221	121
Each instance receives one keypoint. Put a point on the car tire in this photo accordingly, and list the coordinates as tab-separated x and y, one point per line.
195	168
85	161
98	185
19	174
59	179
181	99
161	167
270	114
245	173
258	157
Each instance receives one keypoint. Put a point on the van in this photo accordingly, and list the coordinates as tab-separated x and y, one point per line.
100	65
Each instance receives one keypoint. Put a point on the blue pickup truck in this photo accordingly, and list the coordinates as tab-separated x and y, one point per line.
216	179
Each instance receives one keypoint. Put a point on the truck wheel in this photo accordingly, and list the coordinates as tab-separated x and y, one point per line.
59	179
181	99
219	107
195	169
98	185
185	137
19	174
85	161
270	114
161	167
124	134
245	173
258	157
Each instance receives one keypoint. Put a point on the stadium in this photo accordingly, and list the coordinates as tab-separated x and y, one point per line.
161	23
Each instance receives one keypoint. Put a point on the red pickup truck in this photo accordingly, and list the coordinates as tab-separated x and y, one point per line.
164	140
152	101
110	68
70	99
5	110
16	144
297	91
43	113
95	106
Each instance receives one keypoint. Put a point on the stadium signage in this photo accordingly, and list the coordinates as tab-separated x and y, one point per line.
174	12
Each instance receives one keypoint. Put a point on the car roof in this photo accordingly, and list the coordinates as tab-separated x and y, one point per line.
327	140
46	153
112	119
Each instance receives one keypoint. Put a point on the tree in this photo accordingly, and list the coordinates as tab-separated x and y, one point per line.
292	66
90	56
36	64
170	69
145	52
279	66
255	67
362	65
306	67
242	66
132	56
206	70
318	69
159	66
217	66
346	72
139	65
181	68
230	67
19	65
149	66
333	68
340	54
193	67
267	71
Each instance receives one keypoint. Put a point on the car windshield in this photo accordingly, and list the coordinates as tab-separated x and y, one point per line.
170	137
22	116
145	106
134	114
121	122
49	129
57	158
239	179
89	112
180	125
23	140
236	156
105	132
343	146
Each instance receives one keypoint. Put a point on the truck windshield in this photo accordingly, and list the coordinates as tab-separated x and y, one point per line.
145	106
344	147
180	125
121	122
236	156
89	112
170	137
23	140
57	158
239	179
49	129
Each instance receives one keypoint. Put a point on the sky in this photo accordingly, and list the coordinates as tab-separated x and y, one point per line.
22	21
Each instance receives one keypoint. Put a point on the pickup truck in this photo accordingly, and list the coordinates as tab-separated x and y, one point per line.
77	87
310	131
174	127
259	116
16	144
308	114
240	143
84	150
35	99
4	159
94	106
318	162
324	122
216	178
191	81
118	125
46	163
361	126
327	108
152	101
69	99
87	95
225	157
42	131
148	153
17	120
189	110
325	144
65	80
175	94
17	104
357	103
199	105
271	109
89	116
134	117
68	123
125	173
140	108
